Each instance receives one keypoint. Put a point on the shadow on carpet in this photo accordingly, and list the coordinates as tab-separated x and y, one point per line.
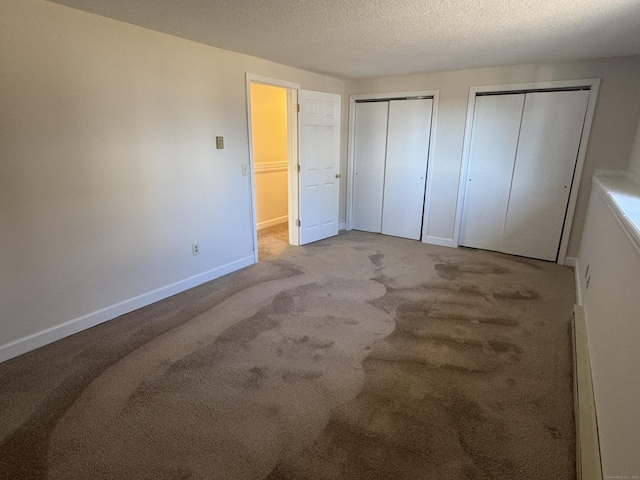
358	357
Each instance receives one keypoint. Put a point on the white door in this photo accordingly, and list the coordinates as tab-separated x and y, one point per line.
550	136
370	148
492	153
406	167
319	143
523	154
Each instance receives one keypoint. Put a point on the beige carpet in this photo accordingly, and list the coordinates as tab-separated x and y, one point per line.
358	357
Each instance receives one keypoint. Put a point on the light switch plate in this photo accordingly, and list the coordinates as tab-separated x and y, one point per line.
219	143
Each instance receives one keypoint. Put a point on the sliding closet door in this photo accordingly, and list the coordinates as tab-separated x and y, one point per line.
550	136
406	167
494	141
370	148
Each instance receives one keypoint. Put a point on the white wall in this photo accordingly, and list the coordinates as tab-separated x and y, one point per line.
109	169
612	314
616	116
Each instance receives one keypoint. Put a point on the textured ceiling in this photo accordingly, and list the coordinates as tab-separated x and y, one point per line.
366	38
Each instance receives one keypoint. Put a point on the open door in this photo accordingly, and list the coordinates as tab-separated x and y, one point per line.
319	186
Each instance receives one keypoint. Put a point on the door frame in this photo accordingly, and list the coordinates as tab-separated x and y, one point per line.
593	84
435	95
292	160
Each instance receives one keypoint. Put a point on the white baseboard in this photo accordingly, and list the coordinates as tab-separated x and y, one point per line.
342	226
588	463
444	242
71	327
272	222
577	273
573	263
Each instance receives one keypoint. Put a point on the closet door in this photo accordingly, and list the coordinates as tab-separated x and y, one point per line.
550	137
494	141
369	154
406	167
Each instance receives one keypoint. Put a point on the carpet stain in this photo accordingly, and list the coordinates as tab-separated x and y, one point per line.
377	259
249	329
372	358
23	453
419	415
452	271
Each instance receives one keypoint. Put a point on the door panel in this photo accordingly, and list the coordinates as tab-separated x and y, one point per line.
370	148
550	136
319	138
494	141
406	167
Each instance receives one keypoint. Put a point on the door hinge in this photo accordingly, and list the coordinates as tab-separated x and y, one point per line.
297	108
298	223
298	167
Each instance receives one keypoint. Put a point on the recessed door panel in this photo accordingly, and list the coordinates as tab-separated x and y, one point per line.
370	148
406	167
494	141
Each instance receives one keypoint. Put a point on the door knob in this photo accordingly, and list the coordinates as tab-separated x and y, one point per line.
338	175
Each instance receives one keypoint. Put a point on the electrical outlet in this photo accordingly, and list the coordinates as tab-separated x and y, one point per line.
219	143
195	249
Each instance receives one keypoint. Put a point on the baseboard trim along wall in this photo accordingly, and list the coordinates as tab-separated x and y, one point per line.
272	222
443	242
588	464
577	273
573	263
342	226
71	327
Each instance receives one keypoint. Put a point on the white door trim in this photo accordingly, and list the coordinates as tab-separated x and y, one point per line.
593	84
435	94
292	134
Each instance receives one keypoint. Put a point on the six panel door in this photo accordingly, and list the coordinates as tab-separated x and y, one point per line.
319	165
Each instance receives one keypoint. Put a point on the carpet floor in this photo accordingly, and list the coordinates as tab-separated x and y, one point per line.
357	357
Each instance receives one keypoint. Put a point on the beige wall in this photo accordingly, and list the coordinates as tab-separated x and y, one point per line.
271	197
614	125
270	153
109	169
269	123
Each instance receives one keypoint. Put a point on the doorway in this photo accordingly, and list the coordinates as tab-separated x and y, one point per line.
266	168
269	142
313	162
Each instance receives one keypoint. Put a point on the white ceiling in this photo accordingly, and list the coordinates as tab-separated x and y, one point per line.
367	38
